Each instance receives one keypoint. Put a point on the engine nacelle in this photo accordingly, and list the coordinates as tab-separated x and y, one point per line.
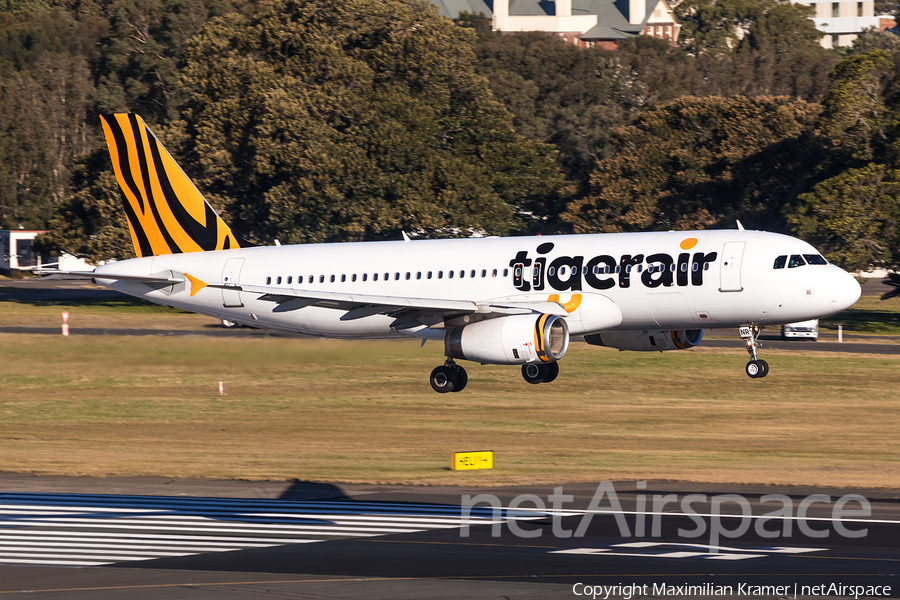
655	340
512	340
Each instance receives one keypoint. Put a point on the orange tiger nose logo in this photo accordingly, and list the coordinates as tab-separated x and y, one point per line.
569	306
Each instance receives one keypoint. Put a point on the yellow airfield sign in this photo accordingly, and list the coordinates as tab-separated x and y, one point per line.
473	460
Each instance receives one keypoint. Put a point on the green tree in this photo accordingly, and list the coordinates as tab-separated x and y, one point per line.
854	115
755	47
561	94
46	92
348	120
90	222
853	217
703	162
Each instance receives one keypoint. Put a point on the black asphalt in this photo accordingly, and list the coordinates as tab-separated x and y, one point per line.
442	563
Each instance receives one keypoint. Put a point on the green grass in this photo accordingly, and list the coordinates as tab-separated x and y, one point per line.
363	411
869	315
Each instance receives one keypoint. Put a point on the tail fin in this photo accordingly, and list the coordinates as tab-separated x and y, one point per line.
166	213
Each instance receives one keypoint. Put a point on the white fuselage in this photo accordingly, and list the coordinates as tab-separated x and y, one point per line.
699	279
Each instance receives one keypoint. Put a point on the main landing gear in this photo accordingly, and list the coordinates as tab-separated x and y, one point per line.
540	372
449	377
755	368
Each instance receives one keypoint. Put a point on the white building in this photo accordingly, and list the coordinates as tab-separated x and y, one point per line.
842	22
17	253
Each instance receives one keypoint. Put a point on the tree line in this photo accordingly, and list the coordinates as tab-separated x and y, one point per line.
312	121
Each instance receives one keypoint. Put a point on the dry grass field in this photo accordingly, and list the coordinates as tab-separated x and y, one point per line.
363	412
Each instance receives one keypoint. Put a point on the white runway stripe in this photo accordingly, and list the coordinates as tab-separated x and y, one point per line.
251	516
86	530
258	527
151	547
152	536
62	540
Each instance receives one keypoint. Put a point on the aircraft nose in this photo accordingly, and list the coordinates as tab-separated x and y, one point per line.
845	291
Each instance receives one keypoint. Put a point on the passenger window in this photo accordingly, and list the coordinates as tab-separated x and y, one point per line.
407	275
387	276
374	276
796	261
596	269
268	281
278	281
365	276
562	271
672	267
352	277
484	272
684	267
450	274
343	278
494	273
332	279
519	272
312	278
506	272
419	275
706	266
780	261
429	274
462	274
472	274
618	269
289	279
552	271
440	274
695	267
321	279
605	269
811	259
640	268
396	276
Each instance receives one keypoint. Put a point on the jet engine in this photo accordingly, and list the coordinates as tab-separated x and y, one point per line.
510	340
647	340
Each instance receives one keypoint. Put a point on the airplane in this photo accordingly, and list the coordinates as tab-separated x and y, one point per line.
492	300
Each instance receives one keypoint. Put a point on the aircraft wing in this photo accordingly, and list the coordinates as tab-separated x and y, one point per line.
408	311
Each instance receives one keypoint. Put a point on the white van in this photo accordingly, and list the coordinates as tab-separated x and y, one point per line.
802	330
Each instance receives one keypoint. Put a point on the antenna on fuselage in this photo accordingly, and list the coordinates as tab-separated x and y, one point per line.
740	227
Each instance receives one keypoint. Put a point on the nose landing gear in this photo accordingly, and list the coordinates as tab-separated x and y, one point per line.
755	368
449	377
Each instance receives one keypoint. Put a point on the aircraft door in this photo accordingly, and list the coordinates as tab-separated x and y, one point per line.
231	276
730	273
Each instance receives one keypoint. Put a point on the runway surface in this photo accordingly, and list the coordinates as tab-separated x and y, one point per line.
405	542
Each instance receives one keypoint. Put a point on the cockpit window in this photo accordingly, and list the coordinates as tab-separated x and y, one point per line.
815	259
796	261
779	262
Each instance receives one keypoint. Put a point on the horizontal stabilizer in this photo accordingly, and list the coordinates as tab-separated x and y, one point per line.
114	276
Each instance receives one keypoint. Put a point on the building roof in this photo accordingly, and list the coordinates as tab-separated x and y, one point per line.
612	15
452	8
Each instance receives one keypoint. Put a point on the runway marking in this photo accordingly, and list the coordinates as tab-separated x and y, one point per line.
94	530
706	552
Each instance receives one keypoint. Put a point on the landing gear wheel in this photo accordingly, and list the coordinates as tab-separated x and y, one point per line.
229	324
765	368
534	373
552	372
462	378
756	369
443	379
